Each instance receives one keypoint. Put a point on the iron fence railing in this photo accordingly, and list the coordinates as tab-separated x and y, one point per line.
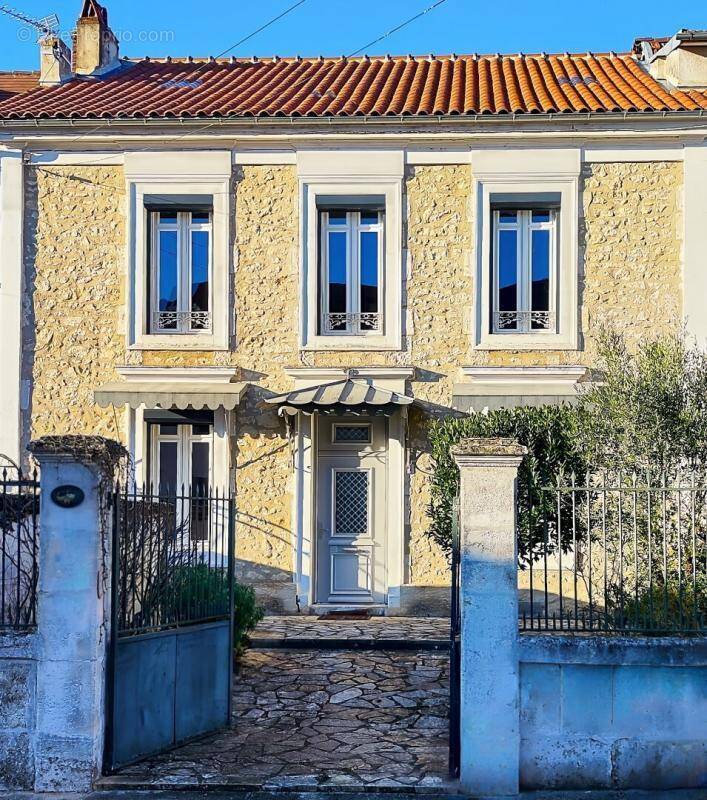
19	549
172	561
614	553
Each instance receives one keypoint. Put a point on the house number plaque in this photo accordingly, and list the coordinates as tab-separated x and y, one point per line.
68	496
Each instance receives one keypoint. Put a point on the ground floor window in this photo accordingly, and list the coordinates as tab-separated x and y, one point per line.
181	466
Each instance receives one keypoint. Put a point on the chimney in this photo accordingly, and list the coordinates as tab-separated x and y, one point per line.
95	44
55	61
681	62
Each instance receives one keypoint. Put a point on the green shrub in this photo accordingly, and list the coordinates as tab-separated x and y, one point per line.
549	433
197	591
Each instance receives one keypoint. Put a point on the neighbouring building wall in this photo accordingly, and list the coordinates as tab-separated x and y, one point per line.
612	713
18	697
75	234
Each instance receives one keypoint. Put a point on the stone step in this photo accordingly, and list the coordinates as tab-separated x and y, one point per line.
345	643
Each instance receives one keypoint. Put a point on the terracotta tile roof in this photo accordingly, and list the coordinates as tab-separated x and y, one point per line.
13	83
340	87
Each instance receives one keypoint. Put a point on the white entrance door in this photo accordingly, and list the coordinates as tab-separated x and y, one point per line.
351	511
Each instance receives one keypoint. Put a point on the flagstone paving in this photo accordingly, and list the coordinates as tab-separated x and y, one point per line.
413	629
312	718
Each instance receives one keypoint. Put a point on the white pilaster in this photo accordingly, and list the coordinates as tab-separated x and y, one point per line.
695	242
489	713
11	221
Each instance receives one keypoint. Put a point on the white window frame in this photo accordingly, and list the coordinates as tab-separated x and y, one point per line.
184	438
174	174
366	425
353	228
184	227
528	175
524	227
390	338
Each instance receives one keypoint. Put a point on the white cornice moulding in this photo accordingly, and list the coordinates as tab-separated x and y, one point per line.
318	164
178	164
528	162
632	154
215	375
424	157
538	381
84	159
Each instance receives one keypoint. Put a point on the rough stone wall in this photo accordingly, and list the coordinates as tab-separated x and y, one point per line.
18	690
632	241
73	309
630	246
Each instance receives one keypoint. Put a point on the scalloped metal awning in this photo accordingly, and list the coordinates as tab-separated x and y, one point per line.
340	397
180	395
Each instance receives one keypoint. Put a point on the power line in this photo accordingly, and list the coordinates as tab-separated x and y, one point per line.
397	28
262	27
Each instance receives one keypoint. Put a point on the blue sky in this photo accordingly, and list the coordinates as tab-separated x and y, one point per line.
332	27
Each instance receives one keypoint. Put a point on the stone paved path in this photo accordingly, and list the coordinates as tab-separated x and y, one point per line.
311	718
375	628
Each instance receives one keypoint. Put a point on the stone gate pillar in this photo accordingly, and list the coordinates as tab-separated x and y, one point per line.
73	608
490	737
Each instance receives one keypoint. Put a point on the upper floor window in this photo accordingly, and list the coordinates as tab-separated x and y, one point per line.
351	271
181	271
524	270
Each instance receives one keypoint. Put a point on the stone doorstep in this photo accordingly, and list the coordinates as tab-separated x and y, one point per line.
304	643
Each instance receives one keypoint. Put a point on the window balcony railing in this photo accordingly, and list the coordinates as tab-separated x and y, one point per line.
524	321
358	323
181	321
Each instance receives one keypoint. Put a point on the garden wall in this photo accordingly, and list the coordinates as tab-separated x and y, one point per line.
620	713
18	691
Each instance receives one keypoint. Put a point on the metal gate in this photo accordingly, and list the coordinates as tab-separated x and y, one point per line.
171	644
455	651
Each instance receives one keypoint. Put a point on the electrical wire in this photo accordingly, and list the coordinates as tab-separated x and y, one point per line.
397	28
262	28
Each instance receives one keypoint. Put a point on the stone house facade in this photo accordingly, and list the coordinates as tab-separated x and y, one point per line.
275	297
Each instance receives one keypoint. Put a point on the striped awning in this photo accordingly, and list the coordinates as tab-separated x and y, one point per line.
346	396
180	395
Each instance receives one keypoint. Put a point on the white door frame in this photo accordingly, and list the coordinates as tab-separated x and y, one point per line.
304	504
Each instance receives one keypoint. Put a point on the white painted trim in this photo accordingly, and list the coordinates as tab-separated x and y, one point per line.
303	534
319	165
71	159
397	424
168	173
530	172
632	154
11	290
215	375
695	243
556	380
264	157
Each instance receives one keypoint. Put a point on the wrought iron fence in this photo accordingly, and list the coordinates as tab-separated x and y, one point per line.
19	549
172	562
614	553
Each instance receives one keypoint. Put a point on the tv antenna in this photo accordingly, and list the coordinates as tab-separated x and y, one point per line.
46	26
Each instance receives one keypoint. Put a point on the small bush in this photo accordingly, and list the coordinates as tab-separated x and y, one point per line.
247	615
549	433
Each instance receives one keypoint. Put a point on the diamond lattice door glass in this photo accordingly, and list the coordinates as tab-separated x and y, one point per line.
351	503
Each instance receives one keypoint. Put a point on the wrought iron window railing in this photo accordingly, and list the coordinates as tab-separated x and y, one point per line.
19	549
358	323
523	321
181	321
614	553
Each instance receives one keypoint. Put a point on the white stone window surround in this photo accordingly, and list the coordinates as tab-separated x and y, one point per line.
354	174
526	175
170	174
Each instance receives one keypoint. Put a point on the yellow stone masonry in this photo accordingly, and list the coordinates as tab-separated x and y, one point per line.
75	235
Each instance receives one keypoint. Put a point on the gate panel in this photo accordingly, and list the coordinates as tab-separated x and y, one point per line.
455	651
145	681
170	660
203	684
